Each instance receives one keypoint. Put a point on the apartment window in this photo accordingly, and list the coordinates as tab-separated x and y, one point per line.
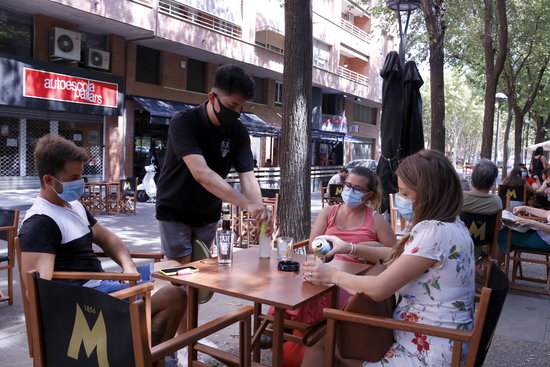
320	54
364	114
259	90
196	76
93	40
147	65
278	94
16	33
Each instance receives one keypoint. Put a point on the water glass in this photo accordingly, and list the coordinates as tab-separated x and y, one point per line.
284	248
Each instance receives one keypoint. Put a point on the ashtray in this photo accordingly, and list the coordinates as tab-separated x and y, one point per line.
288	266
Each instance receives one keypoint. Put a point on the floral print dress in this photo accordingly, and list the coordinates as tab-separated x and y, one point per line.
442	296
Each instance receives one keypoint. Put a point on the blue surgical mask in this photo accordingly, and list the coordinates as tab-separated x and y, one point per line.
352	198
523	174
404	207
72	190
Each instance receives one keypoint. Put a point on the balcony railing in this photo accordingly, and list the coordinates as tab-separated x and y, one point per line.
183	12
356	31
352	75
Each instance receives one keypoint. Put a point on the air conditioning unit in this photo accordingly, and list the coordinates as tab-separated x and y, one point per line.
97	59
64	44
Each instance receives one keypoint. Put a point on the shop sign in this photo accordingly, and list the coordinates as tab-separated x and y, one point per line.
67	88
334	123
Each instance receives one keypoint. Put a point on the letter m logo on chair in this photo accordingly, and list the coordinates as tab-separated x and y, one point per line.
511	193
96	338
339	190
478	232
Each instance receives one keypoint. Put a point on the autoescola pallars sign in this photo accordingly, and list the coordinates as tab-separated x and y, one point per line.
67	88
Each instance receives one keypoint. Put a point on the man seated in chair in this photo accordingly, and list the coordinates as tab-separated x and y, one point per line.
479	200
57	235
339	178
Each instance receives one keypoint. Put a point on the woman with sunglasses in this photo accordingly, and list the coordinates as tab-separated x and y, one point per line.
356	221
432	267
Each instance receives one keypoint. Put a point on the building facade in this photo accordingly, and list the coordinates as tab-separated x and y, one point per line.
109	74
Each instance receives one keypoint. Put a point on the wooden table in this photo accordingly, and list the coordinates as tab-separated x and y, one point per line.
257	280
102	201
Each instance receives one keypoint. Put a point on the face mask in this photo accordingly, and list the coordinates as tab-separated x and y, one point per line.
404	207
351	198
523	174
226	116
72	190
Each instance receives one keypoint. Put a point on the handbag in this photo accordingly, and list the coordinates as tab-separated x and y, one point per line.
365	342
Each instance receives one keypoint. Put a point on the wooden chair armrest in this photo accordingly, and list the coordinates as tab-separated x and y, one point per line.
133	291
100	276
388	323
137	255
194	335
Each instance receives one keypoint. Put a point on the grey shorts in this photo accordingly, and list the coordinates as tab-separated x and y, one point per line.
175	237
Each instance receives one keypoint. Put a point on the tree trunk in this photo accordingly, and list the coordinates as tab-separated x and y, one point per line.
295	214
434	13
518	123
492	68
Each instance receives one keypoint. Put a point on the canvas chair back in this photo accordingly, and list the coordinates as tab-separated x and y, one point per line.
78	326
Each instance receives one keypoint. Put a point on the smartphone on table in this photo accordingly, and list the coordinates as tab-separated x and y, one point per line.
180	270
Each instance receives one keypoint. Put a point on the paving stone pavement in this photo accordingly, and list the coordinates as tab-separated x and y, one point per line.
522	336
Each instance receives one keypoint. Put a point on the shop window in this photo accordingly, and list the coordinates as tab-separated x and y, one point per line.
147	65
278	94
16	33
90	137
35	130
364	114
196	76
9	146
259	90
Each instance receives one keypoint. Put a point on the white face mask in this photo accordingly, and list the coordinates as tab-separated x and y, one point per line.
404	206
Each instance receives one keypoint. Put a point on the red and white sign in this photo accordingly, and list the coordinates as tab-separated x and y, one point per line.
67	88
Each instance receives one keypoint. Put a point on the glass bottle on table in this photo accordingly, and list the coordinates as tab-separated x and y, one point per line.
224	240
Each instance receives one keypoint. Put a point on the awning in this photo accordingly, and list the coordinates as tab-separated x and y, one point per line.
257	126
545	145
161	111
358	140
326	136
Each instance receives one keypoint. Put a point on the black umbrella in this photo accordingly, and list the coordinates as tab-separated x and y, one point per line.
412	136
391	124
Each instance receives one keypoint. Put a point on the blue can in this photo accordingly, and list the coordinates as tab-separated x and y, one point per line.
321	247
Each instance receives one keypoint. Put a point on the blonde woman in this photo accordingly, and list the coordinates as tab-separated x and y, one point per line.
432	267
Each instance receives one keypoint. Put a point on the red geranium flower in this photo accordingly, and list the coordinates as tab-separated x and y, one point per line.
421	343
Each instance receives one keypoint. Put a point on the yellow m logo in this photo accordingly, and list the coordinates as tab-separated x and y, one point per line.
126	186
478	232
511	193
96	338
339	190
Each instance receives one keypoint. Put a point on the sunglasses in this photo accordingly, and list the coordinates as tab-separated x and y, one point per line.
356	188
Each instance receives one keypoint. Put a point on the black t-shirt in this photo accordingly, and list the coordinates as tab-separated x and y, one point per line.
70	240
179	196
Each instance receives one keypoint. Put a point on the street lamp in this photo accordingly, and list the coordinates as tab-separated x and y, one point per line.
399	6
499	97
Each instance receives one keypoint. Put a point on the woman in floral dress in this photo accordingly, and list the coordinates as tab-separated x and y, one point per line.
432	268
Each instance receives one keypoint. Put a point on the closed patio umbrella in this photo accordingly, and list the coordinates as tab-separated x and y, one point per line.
391	125
412	136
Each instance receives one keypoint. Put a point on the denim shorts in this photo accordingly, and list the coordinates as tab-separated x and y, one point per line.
108	286
175	237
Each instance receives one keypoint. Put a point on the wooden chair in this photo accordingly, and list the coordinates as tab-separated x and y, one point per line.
65	317
9	220
479	339
131	278
113	201
512	193
128	195
323	188
483	230
334	194
516	254
270	199
87	199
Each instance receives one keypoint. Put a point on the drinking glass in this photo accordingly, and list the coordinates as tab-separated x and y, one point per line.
284	248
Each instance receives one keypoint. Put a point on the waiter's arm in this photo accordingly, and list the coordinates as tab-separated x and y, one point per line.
251	189
215	184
